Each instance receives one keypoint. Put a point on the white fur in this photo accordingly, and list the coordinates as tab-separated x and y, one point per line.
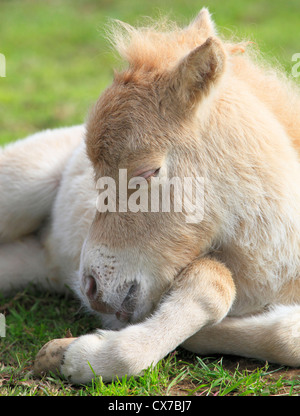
30	173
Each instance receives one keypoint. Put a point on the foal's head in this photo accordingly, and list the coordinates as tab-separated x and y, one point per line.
146	126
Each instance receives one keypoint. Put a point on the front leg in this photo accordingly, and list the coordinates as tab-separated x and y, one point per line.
201	295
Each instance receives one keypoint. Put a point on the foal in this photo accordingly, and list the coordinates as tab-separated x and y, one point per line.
189	105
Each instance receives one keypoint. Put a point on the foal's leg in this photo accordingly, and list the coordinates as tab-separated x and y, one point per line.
30	172
273	336
22	262
202	294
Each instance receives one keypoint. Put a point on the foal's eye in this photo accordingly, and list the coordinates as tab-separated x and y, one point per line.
150	173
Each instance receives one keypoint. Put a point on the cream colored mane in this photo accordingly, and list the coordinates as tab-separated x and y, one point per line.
160	45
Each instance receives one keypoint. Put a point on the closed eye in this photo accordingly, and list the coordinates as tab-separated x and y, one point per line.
149	173
136	178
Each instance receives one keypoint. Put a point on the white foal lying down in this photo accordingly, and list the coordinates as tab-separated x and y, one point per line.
189	105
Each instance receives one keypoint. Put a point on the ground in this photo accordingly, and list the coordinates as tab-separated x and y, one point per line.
33	318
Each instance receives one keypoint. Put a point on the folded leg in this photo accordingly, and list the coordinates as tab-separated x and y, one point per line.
22	262
201	295
271	336
30	173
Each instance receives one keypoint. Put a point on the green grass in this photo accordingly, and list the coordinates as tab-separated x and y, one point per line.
57	63
33	318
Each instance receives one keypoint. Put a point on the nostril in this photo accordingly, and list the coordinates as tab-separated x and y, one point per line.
128	304
91	287
94	296
130	297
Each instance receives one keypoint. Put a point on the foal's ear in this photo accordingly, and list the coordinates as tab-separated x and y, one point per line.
203	23
197	73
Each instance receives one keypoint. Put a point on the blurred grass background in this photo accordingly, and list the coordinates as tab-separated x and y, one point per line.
58	61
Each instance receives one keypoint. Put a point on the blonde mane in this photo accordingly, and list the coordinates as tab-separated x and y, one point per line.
160	45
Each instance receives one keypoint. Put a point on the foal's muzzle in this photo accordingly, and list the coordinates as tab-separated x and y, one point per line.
122	304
